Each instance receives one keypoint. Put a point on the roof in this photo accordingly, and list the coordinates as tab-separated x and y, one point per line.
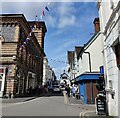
88	76
64	75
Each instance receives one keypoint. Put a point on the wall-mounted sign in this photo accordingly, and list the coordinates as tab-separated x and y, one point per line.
101	70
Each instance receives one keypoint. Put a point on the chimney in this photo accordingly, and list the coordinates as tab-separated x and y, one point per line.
39	31
96	25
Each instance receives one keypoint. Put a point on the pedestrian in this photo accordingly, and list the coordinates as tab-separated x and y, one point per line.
68	90
76	92
9	94
73	90
46	88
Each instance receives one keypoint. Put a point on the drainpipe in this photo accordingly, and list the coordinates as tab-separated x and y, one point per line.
89	60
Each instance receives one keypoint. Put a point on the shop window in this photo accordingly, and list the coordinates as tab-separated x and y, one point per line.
117	52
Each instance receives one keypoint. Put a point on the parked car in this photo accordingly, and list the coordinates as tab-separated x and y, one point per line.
56	88
62	87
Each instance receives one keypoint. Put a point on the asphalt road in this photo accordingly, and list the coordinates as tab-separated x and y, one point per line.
52	105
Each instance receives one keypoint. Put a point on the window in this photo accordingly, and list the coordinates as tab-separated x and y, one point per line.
117	52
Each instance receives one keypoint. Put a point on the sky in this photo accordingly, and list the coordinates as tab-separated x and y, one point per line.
69	24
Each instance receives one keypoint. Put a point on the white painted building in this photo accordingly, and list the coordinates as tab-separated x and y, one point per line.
64	79
45	66
91	57
48	73
71	70
109	13
76	61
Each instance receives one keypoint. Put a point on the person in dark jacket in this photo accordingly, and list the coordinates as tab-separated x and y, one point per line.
68	90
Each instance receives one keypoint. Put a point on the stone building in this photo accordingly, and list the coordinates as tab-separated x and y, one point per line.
109	13
22	53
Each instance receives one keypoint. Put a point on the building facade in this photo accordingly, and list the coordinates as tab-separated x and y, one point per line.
22	53
90	59
71	71
109	13
64	79
87	62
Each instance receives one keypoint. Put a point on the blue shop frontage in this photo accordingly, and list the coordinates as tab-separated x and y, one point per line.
87	87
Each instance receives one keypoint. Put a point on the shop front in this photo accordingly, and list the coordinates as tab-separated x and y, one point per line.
87	87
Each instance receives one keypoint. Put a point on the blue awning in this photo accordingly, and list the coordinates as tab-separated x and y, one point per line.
88	76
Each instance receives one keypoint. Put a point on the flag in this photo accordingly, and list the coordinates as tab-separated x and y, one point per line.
36	24
46	8
34	27
20	48
43	13
24	43
30	34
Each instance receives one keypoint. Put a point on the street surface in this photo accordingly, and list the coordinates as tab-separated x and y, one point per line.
52	105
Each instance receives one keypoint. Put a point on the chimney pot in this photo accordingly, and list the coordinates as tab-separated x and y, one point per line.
96	25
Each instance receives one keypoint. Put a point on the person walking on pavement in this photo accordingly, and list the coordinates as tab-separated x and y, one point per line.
68	90
73	90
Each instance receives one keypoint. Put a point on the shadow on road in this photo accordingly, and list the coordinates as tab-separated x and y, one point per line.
50	94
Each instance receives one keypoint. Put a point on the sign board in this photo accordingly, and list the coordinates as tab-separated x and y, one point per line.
101	105
101	70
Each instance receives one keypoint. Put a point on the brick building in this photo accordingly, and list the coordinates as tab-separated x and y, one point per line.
21	61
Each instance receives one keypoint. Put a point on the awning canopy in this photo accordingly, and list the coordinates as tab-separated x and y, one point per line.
87	76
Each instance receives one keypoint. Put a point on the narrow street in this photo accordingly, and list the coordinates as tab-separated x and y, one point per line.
51	105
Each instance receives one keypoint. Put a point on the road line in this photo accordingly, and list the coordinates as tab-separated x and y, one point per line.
87	112
66	101
81	114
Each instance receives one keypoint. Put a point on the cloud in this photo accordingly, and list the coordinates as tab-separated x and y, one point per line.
51	21
66	21
62	15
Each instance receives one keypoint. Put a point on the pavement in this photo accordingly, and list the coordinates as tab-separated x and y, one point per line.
22	99
16	100
89	110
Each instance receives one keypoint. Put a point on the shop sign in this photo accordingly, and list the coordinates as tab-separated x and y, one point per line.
101	105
